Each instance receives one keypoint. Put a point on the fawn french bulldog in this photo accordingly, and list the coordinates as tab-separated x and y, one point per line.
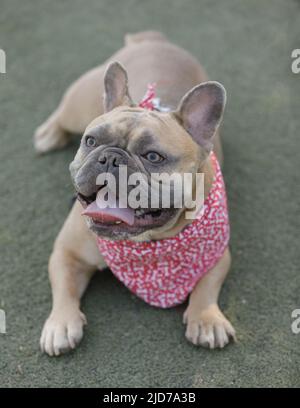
158	253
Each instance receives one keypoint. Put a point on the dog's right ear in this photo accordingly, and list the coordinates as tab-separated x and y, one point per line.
116	87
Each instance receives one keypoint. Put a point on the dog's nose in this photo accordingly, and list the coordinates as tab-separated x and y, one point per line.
112	159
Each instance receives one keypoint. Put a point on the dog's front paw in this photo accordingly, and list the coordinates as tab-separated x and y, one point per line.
62	332
208	328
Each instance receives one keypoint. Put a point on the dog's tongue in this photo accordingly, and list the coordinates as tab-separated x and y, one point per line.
109	214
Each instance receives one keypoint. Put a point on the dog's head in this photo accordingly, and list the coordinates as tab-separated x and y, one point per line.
144	142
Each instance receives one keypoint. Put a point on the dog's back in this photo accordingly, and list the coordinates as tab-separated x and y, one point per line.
149	57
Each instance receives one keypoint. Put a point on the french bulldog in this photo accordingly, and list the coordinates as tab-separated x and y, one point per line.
181	139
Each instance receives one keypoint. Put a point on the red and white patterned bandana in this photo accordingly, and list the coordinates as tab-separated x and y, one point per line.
149	97
163	273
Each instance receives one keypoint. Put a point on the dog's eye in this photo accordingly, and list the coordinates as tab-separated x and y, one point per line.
154	157
90	141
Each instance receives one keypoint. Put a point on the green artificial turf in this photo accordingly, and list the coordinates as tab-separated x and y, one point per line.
247	46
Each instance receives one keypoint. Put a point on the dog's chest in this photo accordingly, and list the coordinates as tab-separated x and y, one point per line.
163	273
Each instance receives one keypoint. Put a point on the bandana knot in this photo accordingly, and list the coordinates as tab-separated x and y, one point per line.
148	100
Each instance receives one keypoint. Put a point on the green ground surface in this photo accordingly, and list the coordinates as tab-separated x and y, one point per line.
244	44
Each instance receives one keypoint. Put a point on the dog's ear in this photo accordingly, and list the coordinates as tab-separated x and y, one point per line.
200	112
116	87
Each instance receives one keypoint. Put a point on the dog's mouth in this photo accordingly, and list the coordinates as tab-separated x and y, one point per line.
114	221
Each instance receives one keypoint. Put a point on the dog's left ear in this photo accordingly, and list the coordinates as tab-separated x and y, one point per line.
200	112
116	87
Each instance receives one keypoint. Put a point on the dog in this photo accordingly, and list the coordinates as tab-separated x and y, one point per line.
177	135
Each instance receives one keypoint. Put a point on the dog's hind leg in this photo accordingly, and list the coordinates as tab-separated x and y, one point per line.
80	104
50	135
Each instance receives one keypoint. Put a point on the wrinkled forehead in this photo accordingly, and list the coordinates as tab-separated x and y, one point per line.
131	126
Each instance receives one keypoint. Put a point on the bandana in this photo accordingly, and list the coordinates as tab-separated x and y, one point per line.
163	273
151	102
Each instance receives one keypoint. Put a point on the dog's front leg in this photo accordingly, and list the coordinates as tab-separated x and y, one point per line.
206	324
74	259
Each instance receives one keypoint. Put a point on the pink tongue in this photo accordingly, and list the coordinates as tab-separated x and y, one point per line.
109	214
